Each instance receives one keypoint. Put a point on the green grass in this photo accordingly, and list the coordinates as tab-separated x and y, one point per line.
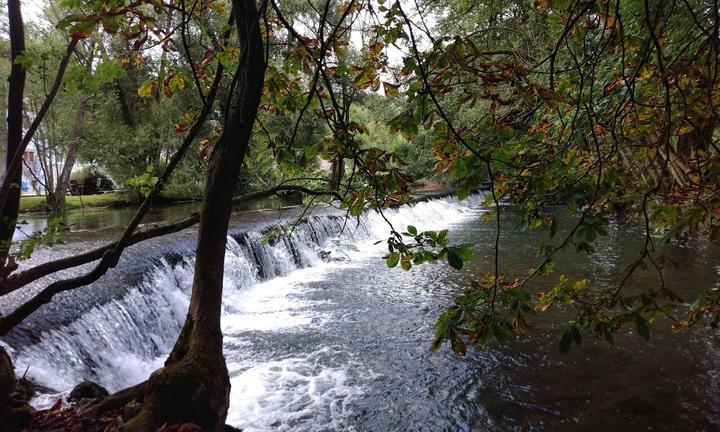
37	203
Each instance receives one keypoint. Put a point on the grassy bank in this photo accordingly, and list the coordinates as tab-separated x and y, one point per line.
37	203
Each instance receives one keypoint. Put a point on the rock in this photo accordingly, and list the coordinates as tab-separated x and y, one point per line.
229	428
87	390
130	410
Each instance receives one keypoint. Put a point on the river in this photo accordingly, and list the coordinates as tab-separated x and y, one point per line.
324	342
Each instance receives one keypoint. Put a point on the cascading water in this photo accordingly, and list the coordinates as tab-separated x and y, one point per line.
122	339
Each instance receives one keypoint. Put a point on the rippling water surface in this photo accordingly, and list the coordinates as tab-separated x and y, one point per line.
323	342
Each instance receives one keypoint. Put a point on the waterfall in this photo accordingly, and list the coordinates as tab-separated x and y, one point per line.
120	341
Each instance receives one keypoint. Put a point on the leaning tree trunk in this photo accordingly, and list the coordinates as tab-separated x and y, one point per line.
16	90
193	386
56	199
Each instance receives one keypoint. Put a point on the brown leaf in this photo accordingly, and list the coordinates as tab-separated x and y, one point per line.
542	3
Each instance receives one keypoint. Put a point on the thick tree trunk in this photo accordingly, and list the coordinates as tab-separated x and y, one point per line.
16	90
13	416
194	386
56	199
15	131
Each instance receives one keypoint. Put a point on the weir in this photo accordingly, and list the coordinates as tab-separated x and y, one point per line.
126	334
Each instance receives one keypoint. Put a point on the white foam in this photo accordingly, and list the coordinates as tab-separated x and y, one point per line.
291	394
273	304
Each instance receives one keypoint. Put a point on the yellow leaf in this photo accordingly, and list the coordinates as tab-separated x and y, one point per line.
391	90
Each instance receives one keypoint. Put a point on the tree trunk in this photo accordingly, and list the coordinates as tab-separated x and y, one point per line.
56	200
13	417
193	386
124	106
337	171
16	90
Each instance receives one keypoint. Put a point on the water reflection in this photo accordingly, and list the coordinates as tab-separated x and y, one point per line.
102	218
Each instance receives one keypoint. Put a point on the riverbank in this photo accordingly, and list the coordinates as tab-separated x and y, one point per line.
113	210
37	203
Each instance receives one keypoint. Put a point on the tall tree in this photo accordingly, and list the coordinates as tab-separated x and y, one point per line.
194	385
16	90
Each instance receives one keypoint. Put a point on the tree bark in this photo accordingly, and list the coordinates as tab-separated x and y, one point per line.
13	417
56	200
194	386
16	91
337	171
124	106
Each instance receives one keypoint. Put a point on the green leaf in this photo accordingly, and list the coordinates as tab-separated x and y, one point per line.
391	90
409	129
392	260
26	59
311	151
465	252
459	169
547	267
357	207
454	260
501	333
412	230
464	191
109	70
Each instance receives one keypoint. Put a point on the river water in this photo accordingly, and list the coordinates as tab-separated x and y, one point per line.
83	223
324	342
